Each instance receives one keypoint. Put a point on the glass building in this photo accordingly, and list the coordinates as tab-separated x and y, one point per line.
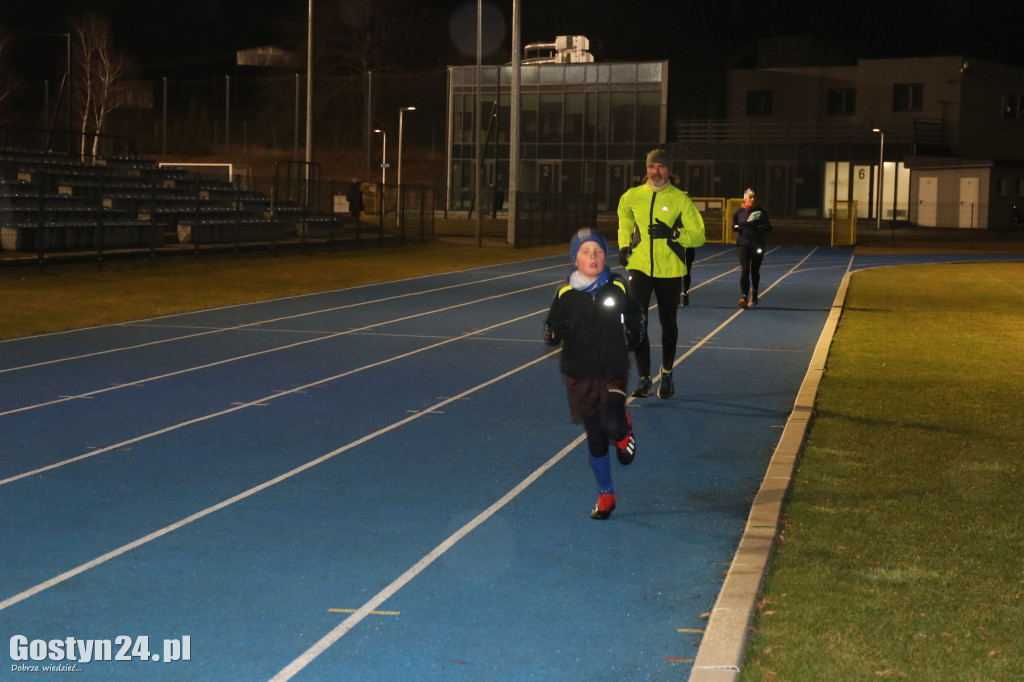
584	128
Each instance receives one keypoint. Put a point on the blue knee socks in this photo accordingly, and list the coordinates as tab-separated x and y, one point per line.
602	467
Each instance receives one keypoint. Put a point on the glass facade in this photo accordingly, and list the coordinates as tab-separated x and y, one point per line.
584	128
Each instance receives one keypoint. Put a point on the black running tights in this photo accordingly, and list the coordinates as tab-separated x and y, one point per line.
750	267
690	253
666	291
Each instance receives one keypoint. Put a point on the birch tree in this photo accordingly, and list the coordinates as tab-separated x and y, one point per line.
100	78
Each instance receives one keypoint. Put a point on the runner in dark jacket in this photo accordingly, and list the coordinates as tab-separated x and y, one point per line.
750	223
597	324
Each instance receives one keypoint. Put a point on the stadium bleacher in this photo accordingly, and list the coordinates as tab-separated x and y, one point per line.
52	203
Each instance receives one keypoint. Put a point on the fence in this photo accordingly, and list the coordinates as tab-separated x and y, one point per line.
57	206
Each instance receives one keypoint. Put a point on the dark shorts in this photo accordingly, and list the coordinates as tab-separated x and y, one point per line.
587	395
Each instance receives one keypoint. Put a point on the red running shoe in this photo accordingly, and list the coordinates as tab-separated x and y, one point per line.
605	507
625	449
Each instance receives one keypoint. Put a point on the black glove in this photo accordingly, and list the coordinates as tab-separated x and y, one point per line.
660	230
553	335
632	340
634	337
624	253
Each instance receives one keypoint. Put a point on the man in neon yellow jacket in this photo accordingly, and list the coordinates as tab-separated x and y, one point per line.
657	222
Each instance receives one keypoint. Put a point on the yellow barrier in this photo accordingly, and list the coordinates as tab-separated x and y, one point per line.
844	223
716	216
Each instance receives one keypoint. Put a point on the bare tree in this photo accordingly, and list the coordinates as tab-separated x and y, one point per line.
354	37
100	79
8	81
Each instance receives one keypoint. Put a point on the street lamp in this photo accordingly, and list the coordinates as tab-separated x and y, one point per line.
881	166
401	115
383	155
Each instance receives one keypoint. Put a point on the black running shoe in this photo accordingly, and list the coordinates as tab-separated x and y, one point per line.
666	389
643	389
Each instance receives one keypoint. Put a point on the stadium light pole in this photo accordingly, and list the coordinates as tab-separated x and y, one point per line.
383	155
71	138
309	102
401	117
881	165
477	194
513	150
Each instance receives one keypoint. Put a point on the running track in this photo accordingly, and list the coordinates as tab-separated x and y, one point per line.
383	483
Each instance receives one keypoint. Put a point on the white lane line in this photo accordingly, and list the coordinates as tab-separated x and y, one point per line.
264	399
401	581
78	570
139	382
366	609
220	330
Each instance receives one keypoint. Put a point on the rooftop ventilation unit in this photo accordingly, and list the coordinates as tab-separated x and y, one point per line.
565	50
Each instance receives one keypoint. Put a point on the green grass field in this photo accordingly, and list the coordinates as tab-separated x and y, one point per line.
902	554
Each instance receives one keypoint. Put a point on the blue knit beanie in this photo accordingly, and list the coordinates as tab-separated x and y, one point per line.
582	236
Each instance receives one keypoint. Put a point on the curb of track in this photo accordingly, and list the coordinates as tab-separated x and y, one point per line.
722	647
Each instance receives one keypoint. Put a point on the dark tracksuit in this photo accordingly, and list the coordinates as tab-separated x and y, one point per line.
750	226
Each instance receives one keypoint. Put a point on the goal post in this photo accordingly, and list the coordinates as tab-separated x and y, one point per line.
236	174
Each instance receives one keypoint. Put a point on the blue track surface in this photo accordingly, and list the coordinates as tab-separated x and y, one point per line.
383	483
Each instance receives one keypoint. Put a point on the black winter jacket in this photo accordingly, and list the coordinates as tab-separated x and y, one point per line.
597	330
750	226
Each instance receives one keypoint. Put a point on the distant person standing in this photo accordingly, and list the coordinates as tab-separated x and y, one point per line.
355	199
750	223
497	201
657	223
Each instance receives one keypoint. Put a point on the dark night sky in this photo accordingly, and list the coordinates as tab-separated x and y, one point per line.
711	33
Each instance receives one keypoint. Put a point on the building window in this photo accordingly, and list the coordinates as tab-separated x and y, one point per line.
906	97
759	103
1013	106
841	101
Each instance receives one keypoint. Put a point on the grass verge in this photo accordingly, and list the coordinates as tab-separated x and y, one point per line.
902	554
70	296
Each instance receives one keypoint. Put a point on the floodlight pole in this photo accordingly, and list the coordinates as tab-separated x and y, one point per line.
881	166
309	102
71	138
477	124
513	149
401	115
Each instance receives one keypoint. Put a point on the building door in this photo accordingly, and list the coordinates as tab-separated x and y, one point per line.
549	177
620	178
969	202
927	201
699	181
779	191
864	189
